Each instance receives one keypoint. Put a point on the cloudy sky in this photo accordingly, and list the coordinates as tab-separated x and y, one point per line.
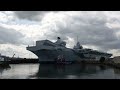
95	29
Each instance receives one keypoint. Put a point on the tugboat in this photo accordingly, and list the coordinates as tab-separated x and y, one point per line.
4	63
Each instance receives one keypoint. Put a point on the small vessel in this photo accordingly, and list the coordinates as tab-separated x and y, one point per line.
4	61
48	51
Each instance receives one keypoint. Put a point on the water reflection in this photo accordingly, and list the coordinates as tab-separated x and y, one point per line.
1	70
102	67
52	71
117	71
18	71
4	69
67	71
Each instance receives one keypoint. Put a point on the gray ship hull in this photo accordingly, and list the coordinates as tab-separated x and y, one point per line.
51	55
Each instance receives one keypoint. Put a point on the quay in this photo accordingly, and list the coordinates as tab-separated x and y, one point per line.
108	63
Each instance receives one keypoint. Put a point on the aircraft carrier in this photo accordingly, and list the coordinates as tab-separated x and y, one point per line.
48	51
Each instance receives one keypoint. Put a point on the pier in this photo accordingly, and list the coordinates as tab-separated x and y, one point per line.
22	60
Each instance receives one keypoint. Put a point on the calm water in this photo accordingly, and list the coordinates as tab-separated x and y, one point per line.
74	71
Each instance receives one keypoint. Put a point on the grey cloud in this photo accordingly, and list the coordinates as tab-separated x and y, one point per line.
30	15
91	30
88	26
10	36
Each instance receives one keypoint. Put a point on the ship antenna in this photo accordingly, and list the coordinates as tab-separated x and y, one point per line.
77	38
32	40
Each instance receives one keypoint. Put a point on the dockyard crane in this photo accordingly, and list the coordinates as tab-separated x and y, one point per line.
13	55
